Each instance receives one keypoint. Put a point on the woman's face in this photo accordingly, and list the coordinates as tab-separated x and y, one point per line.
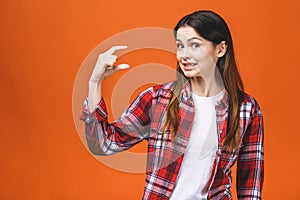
196	55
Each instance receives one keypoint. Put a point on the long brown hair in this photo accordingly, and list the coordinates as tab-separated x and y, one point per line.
213	28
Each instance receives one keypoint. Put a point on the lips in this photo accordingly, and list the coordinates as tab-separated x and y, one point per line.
189	66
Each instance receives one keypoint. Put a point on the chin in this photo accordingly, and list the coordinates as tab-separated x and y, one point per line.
190	74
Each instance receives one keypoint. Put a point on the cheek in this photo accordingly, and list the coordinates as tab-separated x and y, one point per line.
202	55
178	55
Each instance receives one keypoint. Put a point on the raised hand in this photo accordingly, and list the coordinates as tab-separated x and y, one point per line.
104	68
105	64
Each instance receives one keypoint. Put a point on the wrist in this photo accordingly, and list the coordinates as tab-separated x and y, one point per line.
93	81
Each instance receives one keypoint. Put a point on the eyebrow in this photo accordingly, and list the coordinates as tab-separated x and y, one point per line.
192	38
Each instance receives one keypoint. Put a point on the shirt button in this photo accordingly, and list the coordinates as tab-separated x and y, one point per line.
88	120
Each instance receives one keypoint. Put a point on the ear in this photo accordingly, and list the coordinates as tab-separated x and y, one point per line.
221	49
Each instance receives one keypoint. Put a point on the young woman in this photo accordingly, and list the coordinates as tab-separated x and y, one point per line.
197	127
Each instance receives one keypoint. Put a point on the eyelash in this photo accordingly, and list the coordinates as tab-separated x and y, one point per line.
193	45
179	46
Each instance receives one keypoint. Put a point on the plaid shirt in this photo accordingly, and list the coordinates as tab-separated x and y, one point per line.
143	120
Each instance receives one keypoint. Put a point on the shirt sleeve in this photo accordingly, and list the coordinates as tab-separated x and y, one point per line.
104	138
250	163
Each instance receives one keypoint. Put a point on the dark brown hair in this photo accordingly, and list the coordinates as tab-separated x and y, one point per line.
212	27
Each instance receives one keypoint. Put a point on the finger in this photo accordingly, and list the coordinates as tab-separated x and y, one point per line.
107	57
111	62
109	66
115	48
121	66
107	60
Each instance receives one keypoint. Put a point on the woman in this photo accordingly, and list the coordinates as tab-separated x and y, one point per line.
197	127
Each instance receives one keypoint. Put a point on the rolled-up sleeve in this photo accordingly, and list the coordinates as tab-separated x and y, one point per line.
104	138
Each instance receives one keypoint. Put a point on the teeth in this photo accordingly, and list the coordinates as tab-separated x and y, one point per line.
189	65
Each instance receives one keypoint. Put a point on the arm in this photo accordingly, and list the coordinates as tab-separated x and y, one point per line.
104	138
103	69
250	164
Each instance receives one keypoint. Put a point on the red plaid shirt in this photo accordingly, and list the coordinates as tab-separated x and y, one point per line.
143	120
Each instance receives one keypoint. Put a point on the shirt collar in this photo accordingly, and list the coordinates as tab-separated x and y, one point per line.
223	103
187	90
186	94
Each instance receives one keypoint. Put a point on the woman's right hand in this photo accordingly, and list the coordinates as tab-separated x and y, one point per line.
104	68
105	65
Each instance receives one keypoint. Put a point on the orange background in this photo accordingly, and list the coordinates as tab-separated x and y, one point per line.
43	44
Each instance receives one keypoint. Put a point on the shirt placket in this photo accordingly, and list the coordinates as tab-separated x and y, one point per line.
221	115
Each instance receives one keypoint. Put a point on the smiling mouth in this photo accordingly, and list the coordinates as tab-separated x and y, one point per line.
189	66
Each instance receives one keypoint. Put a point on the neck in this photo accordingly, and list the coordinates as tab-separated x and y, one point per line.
207	85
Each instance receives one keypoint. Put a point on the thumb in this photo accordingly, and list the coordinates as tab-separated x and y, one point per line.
121	66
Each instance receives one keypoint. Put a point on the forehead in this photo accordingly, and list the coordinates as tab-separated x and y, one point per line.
186	32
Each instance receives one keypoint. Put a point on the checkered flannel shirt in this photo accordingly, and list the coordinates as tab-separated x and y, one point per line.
143	120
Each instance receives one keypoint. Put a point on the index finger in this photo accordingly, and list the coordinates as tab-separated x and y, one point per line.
115	48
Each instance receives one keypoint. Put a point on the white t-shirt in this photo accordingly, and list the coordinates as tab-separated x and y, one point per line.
196	167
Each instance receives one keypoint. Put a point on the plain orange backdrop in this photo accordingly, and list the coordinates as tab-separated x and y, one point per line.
43	44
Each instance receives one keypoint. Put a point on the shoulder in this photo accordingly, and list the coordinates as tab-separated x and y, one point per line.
250	105
157	93
251	120
161	90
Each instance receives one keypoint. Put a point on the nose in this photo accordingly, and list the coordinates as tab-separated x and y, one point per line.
185	53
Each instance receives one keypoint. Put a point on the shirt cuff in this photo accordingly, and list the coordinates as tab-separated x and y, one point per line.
100	113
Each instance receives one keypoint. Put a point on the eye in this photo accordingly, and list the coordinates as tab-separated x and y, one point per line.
179	46
195	45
